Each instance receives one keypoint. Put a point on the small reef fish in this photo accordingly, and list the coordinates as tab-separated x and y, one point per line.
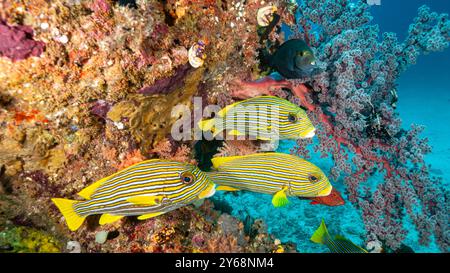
279	174
336	244
334	199
293	59
148	189
263	117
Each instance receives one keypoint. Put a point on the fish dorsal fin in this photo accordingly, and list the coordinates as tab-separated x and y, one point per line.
226	188
280	198
87	192
109	218
219	161
150	215
225	110
320	233
208	192
145	200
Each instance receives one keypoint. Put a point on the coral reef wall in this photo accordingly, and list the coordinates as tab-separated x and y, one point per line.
87	88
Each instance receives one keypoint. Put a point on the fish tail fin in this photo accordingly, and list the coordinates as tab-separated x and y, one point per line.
319	235
73	219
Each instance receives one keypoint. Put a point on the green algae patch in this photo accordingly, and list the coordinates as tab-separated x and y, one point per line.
27	240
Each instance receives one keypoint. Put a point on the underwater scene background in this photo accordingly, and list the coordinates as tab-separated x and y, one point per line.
87	89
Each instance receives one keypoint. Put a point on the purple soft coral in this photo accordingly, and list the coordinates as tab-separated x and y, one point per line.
16	42
354	100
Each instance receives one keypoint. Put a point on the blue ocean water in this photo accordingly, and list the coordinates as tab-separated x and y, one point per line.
424	98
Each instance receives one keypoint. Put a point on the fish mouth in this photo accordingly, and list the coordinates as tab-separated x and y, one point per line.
325	192
309	134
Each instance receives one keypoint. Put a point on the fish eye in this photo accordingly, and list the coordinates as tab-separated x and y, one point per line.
187	178
292	118
313	178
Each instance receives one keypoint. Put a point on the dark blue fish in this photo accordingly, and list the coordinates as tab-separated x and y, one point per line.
294	59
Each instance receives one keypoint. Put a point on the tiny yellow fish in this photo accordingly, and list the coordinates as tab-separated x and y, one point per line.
263	117
148	189
279	174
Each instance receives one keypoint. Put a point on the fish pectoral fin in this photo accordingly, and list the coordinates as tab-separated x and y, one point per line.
145	200
150	215
109	218
226	188
280	199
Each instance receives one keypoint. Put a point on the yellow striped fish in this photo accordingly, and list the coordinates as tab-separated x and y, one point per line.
148	189
336	244
263	117
274	173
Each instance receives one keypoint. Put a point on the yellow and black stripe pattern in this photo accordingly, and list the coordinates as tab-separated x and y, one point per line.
270	173
336	244
263	117
152	177
147	189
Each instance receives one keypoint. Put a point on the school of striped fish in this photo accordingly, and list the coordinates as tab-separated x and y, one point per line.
154	187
